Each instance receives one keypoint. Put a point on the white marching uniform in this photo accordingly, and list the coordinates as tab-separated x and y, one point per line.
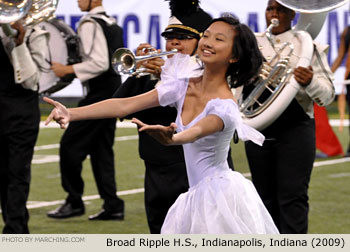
321	89
95	48
27	58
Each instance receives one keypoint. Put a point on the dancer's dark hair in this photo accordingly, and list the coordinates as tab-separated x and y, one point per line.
245	50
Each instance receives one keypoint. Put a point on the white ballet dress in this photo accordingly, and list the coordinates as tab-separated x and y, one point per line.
219	201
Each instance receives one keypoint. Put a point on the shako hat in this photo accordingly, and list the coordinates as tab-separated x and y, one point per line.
186	18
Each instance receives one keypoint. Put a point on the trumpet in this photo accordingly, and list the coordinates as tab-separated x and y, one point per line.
124	61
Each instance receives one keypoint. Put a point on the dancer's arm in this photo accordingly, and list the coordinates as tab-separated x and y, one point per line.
341	51
110	108
341	109
347	66
165	134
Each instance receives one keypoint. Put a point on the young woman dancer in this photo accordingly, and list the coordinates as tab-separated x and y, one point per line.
219	200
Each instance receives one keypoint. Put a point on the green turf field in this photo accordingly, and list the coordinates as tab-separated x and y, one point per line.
329	191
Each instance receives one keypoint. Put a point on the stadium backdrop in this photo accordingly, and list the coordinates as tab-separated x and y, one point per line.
144	20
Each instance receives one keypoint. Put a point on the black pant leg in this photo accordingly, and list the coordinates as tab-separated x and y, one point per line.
295	156
163	185
4	154
74	147
263	169
281	171
102	161
18	141
348	102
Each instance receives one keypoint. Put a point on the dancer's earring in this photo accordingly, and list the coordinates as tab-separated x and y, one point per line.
232	61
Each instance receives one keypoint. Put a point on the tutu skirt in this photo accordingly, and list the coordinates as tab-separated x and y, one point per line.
222	203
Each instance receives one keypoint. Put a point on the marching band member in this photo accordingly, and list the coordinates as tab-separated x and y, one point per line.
100	37
281	168
22	57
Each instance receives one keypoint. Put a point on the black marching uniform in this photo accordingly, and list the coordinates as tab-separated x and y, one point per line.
94	137
19	126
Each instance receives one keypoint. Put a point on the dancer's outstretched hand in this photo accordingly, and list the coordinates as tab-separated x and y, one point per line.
163	134
60	113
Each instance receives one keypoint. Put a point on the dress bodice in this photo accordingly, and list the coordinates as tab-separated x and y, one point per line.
208	154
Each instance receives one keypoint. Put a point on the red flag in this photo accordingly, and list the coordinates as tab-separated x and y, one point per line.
326	140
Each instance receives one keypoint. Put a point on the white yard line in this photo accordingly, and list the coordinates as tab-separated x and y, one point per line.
340	175
333	161
56	146
46	147
38	204
336	122
319	163
44	159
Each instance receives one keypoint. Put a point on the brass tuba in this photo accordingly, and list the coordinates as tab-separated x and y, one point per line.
30	12
275	87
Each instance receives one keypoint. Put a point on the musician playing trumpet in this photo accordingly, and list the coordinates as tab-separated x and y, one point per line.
281	168
164	165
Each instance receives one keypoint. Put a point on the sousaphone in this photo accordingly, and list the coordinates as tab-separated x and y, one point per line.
275	87
30	12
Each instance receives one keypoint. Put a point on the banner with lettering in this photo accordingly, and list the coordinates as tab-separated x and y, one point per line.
144	21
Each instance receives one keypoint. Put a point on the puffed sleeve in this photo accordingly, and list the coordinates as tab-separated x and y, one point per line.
175	76
229	113
172	88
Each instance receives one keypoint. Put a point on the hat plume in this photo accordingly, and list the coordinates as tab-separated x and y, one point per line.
183	7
